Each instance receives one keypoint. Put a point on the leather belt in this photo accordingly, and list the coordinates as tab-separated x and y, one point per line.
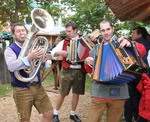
34	83
105	83
78	66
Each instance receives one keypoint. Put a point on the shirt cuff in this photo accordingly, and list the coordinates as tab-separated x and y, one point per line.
26	61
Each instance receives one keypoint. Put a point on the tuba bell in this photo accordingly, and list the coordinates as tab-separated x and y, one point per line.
41	21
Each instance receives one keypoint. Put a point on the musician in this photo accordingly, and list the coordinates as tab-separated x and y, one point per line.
57	40
139	34
72	75
107	96
26	94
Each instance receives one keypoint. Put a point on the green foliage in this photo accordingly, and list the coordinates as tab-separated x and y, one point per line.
63	33
5	90
16	10
13	10
88	14
49	80
88	83
128	25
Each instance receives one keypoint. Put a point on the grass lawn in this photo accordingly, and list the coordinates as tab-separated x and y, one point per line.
5	90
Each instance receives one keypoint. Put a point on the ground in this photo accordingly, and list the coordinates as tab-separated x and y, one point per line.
8	110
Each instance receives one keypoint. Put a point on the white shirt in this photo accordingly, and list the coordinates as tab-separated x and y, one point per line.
148	58
59	46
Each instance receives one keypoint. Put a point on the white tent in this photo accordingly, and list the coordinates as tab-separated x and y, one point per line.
55	31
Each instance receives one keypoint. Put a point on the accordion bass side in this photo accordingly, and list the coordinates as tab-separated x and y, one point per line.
117	65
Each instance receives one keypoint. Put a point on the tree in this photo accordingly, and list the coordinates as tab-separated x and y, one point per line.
16	10
88	14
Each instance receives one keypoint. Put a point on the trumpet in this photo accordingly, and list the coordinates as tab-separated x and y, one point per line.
41	21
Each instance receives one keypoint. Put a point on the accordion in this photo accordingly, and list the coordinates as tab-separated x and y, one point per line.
117	65
79	48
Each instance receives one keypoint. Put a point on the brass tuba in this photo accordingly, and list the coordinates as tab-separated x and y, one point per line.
41	20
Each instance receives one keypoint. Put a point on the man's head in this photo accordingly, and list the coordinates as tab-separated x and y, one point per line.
71	29
57	40
139	32
106	30
19	32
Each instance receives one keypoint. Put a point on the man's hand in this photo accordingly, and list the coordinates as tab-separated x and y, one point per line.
93	39
94	36
62	53
89	61
124	42
44	58
37	53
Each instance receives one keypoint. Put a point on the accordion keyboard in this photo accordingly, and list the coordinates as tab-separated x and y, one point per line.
122	54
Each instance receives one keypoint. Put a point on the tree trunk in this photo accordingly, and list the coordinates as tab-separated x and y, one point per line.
4	73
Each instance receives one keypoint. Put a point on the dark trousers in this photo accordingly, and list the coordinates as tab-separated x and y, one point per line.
132	104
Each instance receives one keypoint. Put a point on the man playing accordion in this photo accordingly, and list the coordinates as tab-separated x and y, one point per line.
107	96
73	75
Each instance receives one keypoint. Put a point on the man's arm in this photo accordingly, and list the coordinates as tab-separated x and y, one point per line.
57	50
12	62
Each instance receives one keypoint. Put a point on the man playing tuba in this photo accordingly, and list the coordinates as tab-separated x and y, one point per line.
26	94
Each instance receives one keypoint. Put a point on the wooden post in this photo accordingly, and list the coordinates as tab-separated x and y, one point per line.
55	67
50	69
4	73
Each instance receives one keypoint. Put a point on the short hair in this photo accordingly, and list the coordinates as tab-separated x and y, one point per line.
142	31
18	24
106	21
72	24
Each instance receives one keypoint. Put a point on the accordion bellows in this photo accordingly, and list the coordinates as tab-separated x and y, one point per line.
115	65
109	69
78	50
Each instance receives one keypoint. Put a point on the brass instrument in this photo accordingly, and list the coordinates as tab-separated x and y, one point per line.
41	20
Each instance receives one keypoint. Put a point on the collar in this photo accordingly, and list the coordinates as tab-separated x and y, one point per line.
19	44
